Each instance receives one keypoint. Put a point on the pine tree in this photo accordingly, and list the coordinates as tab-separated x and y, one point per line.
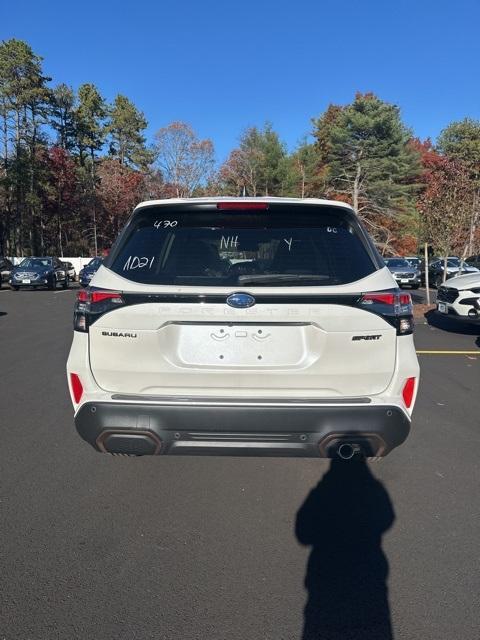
127	142
259	164
461	141
90	117
26	100
63	116
365	146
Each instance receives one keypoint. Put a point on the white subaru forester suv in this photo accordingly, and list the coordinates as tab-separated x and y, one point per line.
237	326
459	298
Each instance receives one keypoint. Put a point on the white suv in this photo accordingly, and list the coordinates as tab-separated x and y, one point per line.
459	297
266	326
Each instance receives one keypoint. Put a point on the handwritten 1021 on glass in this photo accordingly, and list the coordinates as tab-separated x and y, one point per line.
138	262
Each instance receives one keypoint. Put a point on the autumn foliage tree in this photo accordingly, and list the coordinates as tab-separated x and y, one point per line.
460	141
445	202
184	159
119	191
62	197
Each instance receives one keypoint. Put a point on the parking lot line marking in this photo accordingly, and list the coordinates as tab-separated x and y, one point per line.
450	353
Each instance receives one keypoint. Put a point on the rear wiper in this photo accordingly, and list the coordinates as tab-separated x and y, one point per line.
281	277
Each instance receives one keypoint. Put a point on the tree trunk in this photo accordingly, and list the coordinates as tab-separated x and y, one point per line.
60	244
4	226
18	242
33	148
59	221
94	201
445	263
473	223
356	187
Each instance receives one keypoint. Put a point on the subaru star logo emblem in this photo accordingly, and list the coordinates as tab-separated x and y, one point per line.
240	300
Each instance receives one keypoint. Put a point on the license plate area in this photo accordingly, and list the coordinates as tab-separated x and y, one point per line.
242	345
26	281
442	307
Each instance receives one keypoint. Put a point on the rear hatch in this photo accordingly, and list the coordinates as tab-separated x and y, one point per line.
301	327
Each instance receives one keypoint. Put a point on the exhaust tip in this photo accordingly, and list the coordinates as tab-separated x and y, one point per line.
130	444
346	451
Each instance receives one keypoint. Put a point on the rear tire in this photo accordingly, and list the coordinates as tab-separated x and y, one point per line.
65	284
53	284
438	282
15	288
415	286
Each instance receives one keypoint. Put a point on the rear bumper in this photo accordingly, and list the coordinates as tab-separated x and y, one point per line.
240	428
41	282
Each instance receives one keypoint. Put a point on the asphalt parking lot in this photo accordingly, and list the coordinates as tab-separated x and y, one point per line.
100	547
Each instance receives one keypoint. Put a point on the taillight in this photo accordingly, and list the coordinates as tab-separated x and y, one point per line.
408	392
93	303
77	387
391	298
379	298
86	295
100	296
393	305
238	205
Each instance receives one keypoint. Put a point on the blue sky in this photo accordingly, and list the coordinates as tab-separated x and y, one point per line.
225	65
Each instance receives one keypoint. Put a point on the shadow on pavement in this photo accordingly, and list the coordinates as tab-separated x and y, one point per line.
3	313
451	325
343	520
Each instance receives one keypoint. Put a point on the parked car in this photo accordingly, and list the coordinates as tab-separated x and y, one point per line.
6	267
86	274
39	272
455	267
72	275
302	348
419	265
460	297
404	273
473	261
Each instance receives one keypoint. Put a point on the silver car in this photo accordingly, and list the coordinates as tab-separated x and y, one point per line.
404	273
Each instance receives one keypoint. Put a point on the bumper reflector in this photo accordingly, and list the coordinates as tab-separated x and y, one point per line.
408	391
77	387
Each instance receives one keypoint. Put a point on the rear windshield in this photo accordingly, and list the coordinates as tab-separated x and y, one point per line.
206	247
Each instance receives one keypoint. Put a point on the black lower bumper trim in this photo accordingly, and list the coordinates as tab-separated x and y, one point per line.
305	431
